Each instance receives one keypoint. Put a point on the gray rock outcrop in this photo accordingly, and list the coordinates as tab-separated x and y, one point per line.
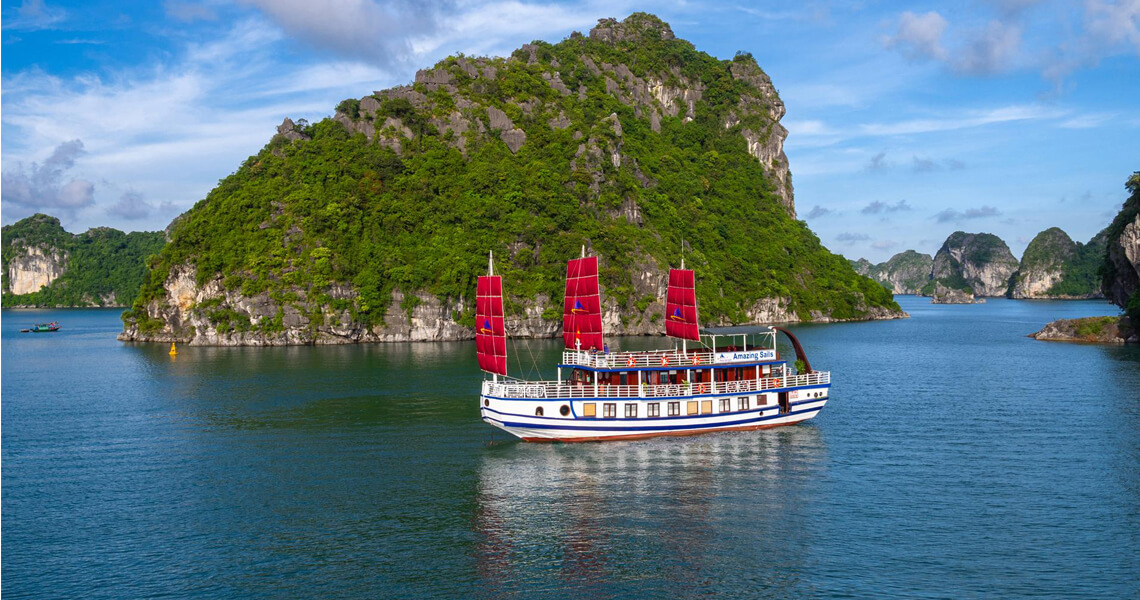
946	295
1041	264
34	269
1096	330
904	273
981	260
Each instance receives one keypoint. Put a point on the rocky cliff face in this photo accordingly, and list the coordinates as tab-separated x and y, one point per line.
35	268
212	315
978	261
1121	282
1054	266
1041	265
905	273
655	95
44	265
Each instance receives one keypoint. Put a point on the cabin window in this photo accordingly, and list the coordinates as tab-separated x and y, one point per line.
609	410
538	412
631	411
623	379
654	409
692	407
706	407
486	402
674	409
725	405
743	403
766	370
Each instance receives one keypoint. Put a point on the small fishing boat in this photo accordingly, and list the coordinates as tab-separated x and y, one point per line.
42	328
729	382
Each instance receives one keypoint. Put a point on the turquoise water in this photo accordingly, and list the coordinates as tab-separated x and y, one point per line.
957	458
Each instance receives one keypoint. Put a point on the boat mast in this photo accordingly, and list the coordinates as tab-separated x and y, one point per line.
684	342
491	273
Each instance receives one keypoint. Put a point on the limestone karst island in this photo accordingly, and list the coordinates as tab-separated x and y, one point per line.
372	225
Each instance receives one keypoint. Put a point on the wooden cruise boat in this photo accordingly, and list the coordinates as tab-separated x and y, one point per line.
726	382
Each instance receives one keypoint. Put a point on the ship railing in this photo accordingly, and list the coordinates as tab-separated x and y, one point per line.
662	358
554	389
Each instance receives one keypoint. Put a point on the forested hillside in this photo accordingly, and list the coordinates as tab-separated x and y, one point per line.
629	141
50	267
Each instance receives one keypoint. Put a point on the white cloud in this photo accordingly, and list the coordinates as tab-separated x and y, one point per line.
40	187
1114	23
1086	121
974	118
170	131
370	31
132	207
991	50
951	214
919	36
35	14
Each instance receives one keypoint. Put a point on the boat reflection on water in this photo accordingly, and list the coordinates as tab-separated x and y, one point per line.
728	511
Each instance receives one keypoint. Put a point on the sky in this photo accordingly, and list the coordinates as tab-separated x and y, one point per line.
907	121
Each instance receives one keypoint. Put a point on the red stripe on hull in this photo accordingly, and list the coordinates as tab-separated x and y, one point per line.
645	436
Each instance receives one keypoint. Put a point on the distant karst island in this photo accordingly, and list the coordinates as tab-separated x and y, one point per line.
971	266
978	265
45	266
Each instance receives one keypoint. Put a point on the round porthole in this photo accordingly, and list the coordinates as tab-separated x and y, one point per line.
565	410
538	412
486	402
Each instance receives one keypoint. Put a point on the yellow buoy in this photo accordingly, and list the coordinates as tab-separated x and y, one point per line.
173	350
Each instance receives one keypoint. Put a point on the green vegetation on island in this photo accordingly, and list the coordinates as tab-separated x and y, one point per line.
1120	271
978	263
552	154
904	273
1064	268
101	267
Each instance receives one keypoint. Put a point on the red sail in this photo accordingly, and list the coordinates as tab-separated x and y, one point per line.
681	306
490	335
582	314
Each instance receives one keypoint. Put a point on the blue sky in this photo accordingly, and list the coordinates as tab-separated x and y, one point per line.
907	121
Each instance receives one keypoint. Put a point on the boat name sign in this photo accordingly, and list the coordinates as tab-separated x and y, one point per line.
742	355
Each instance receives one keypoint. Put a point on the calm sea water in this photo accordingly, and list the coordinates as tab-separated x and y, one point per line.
957	458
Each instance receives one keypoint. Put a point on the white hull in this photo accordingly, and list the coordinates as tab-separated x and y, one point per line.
698	414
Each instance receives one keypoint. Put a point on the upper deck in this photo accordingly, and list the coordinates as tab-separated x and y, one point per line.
666	358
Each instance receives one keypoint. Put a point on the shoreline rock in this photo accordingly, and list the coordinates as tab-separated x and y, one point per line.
211	315
945	295
1092	330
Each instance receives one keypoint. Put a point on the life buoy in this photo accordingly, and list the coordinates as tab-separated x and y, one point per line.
632	361
703	388
664	361
696	359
